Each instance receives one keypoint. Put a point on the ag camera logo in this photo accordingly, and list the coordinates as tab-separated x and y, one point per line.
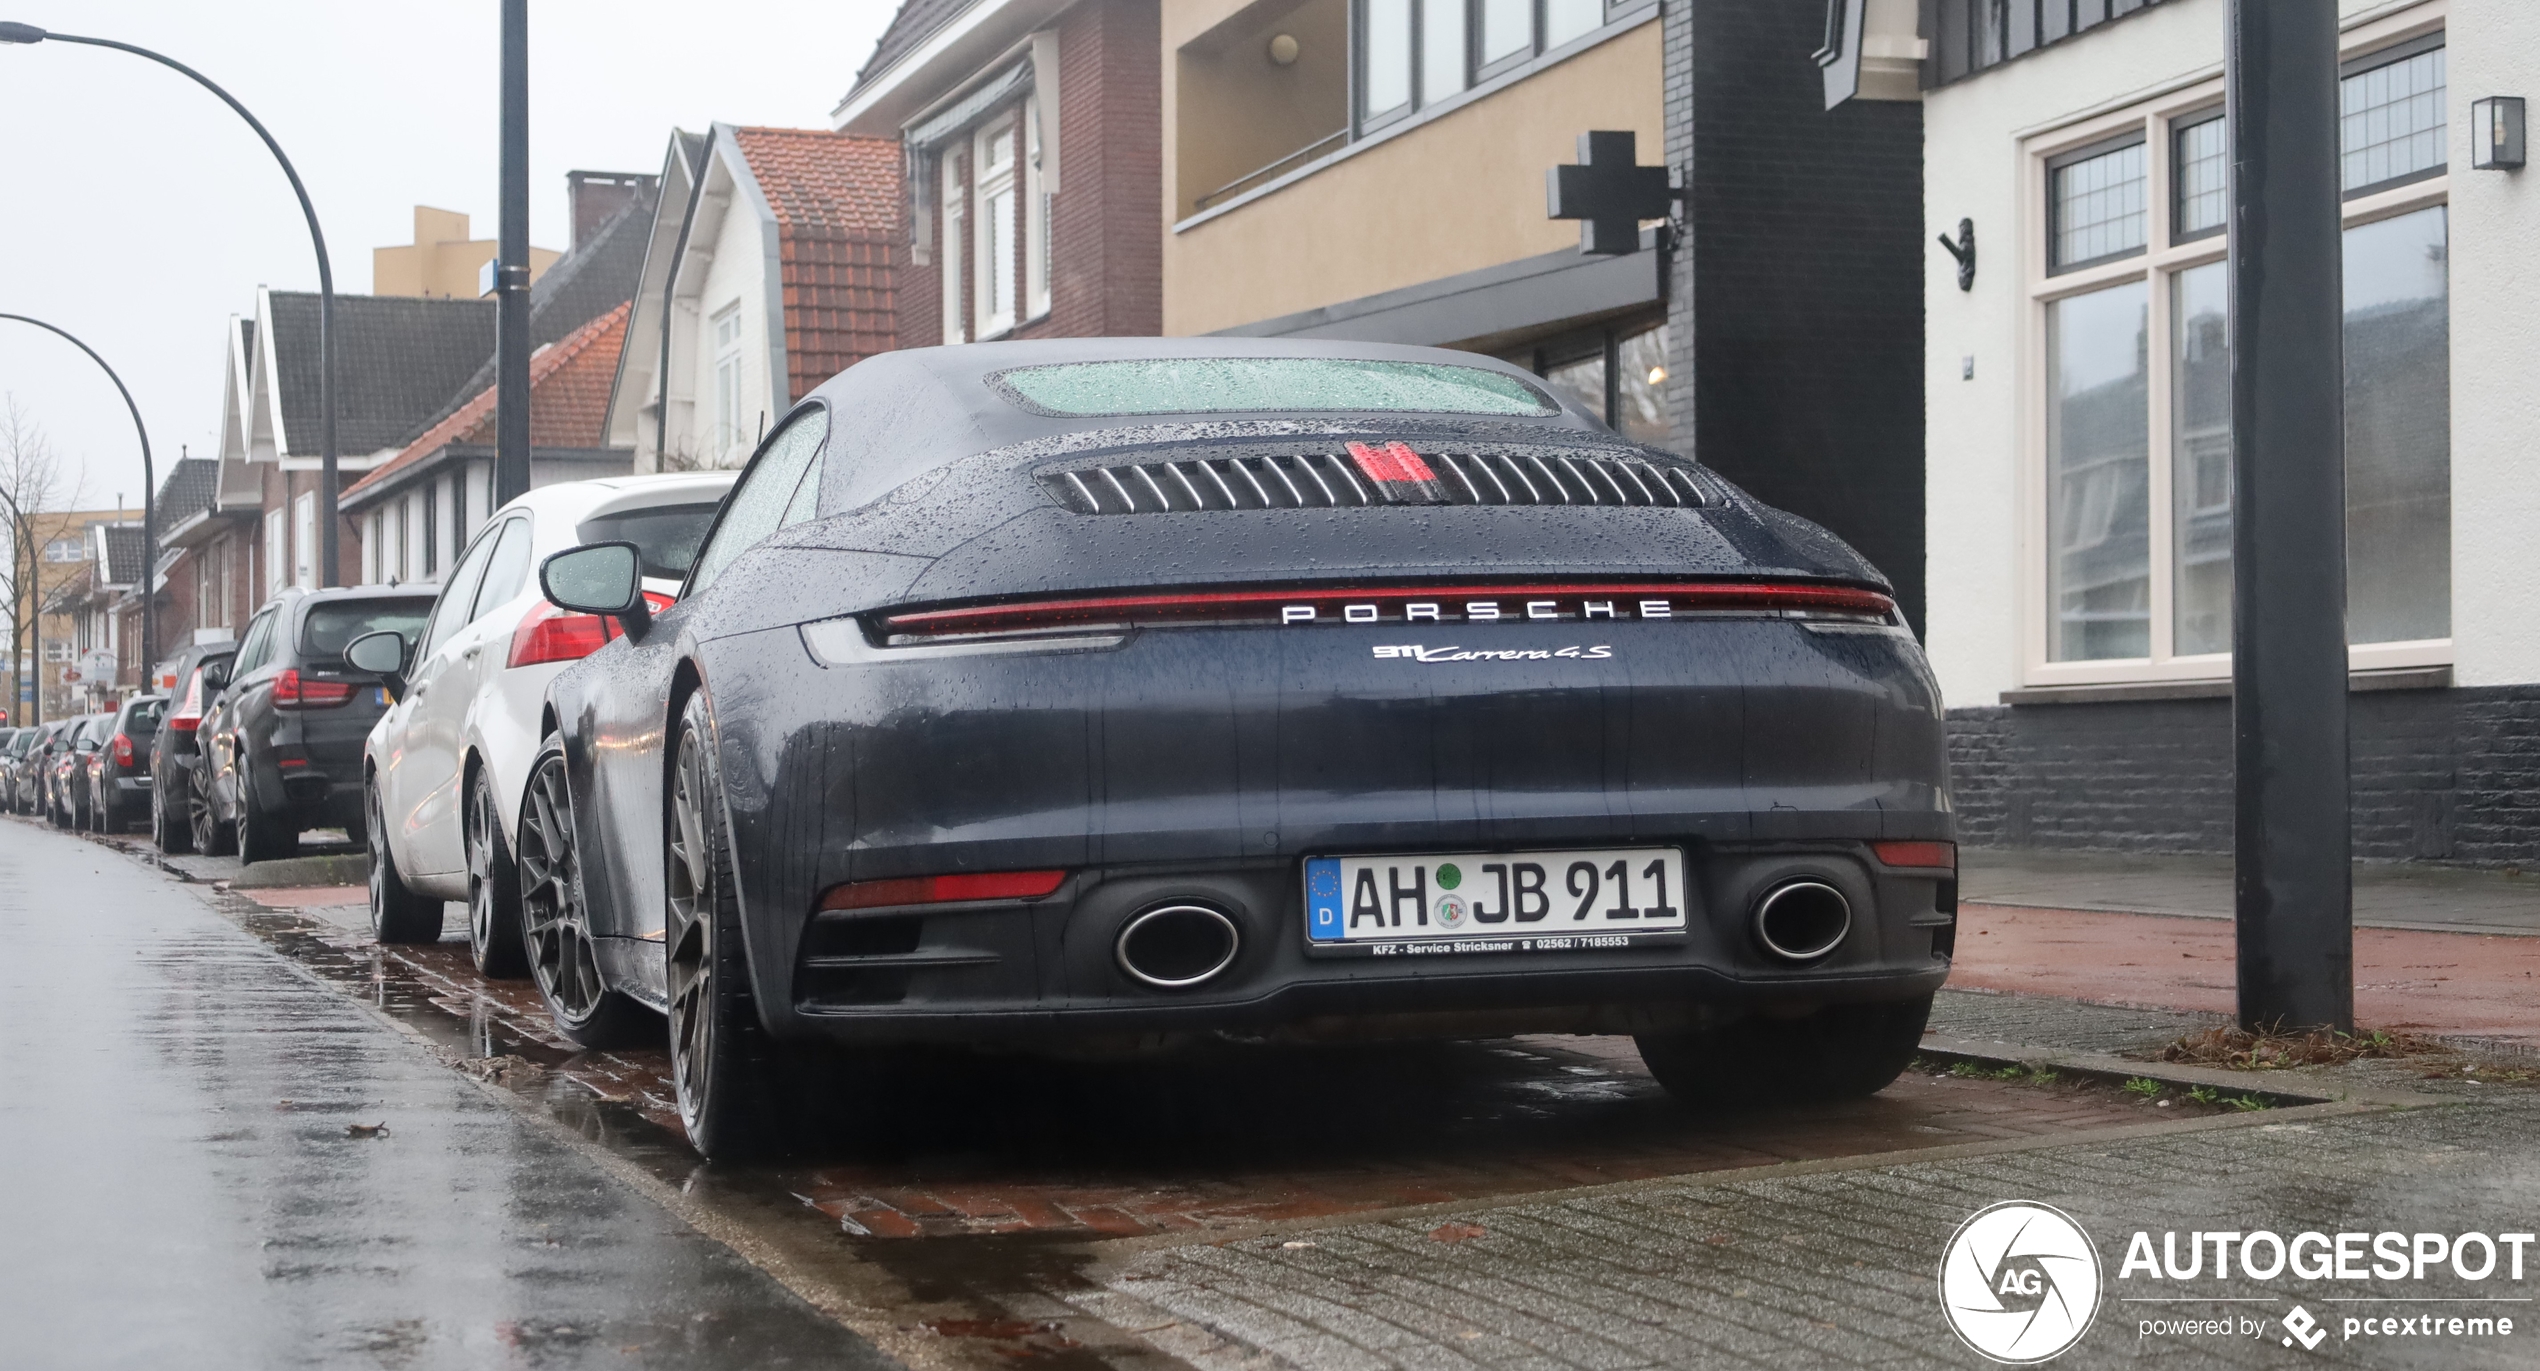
2019	1282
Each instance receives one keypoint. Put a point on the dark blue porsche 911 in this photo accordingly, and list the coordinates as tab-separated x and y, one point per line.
1125	691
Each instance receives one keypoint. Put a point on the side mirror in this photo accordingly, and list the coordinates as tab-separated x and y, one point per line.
85	745
382	653
599	578
216	676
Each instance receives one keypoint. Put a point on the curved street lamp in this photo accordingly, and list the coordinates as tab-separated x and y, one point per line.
149	504
327	530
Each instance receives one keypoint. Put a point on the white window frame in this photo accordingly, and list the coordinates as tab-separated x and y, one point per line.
304	540
952	171
1036	216
996	269
275	563
723	330
2156	263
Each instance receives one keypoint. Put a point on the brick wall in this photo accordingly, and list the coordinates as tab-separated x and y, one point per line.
1106	233
2439	775
1795	311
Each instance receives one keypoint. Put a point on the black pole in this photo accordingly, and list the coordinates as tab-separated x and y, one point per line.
511	309
29	33
149	506
2295	896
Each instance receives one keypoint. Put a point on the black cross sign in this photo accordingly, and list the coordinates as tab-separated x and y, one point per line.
1608	192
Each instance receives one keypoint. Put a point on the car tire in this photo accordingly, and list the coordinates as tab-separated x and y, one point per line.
172	835
212	838
730	1075
1840	1052
493	888
398	912
555	923
261	837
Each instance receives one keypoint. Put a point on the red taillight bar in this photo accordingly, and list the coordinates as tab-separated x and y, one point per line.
986	885
1918	854
1218	604
291	690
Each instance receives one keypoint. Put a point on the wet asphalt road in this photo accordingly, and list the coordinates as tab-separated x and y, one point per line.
180	1184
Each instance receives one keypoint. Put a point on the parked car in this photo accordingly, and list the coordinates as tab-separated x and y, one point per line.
282	746
71	795
16	741
30	769
1068	693
447	763
177	805
117	783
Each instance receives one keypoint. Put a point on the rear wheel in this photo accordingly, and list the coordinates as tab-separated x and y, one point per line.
261	836
212	838
1840	1052
729	1073
493	887
555	923
398	913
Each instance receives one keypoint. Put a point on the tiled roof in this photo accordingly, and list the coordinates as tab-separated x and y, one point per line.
914	24
187	491
398	360
123	554
568	401
836	198
586	283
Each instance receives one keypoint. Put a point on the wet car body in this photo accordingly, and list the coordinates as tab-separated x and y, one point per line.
117	783
1174	659
12	747
176	762
282	748
30	768
71	794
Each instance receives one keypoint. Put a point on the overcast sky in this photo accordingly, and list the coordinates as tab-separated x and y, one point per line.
140	214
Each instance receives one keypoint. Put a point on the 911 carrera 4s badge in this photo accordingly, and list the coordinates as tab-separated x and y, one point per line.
1485	902
1416	653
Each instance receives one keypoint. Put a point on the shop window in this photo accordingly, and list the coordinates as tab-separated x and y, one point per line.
1618	374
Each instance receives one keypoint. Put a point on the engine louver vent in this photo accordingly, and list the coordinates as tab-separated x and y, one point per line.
1383	476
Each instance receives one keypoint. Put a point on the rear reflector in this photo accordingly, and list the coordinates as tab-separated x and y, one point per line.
990	885
1943	856
1474	604
291	690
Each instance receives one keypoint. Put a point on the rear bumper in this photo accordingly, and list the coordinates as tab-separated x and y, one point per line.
1209	764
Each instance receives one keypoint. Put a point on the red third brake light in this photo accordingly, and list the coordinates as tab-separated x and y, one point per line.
291	690
988	885
558	635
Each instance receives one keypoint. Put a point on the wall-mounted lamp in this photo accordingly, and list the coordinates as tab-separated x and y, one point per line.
2495	132
1283	49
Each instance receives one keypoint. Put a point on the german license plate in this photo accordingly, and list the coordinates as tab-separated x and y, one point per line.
1400	904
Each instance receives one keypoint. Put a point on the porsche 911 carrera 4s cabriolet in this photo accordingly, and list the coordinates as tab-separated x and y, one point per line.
1113	692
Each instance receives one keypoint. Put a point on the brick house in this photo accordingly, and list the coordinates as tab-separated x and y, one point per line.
1032	137
771	265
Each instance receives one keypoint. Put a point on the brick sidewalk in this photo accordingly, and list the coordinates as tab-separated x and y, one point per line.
2452	984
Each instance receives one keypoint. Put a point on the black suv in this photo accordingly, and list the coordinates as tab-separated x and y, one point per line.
282	748
176	802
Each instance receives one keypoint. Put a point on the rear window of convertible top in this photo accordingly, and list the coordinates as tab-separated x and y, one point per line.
1223	385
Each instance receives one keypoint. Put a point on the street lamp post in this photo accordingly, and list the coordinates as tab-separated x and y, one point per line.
149	503
327	531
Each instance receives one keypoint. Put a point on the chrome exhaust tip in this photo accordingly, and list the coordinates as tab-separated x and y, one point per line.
1802	920
1177	946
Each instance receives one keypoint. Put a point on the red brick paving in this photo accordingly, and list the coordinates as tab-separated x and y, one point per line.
2461	984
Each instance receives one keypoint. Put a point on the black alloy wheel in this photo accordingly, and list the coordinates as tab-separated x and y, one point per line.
261	836
398	912
1840	1052
493	887
170	833
212	838
728	1072
556	924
